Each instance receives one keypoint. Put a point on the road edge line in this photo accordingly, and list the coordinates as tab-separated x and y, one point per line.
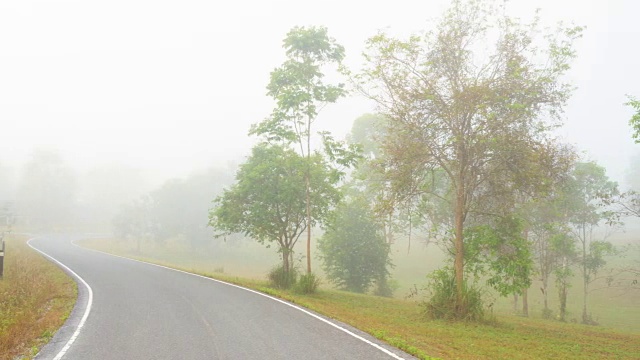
347	331
75	334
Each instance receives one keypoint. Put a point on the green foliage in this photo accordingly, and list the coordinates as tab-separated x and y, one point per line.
443	303
353	250
268	201
300	93
308	283
266	215
281	278
340	153
595	258
634	122
588	190
298	87
502	254
563	246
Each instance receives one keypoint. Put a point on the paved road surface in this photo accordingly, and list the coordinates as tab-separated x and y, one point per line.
140	311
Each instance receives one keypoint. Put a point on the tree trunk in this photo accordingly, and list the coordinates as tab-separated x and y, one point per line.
388	235
286	267
459	249
308	182
584	276
308	223
563	291
285	261
525	302
545	281
563	301
525	291
515	303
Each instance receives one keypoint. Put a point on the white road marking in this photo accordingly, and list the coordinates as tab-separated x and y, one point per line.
73	338
393	355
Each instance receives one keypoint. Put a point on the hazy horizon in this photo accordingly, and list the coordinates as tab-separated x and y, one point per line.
171	88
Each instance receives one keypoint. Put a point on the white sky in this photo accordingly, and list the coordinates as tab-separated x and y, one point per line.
173	85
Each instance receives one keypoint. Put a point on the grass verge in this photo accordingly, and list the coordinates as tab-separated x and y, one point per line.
36	297
399	323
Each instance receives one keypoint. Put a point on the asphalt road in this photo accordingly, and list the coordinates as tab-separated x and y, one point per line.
132	310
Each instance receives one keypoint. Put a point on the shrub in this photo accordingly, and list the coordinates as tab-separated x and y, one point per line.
443	303
281	279
307	284
547	314
353	250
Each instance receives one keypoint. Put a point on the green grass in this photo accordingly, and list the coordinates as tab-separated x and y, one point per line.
399	321
36	297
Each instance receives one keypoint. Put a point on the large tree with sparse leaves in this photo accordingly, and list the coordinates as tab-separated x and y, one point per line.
459	98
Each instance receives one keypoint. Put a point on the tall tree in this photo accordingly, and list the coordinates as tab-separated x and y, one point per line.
457	102
266	201
543	170
589	189
300	94
549	224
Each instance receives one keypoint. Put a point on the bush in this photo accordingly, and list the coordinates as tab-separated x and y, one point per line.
443	303
307	284
547	314
353	250
281	279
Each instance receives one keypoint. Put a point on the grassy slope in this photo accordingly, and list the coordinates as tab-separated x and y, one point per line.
36	297
399	322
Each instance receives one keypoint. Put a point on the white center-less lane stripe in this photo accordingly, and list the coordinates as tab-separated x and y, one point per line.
393	355
86	311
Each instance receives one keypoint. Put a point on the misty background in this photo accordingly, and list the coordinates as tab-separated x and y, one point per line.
151	90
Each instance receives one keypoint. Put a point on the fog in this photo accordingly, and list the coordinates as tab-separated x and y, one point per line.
126	99
169	87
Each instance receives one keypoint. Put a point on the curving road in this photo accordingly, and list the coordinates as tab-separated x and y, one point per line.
133	310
